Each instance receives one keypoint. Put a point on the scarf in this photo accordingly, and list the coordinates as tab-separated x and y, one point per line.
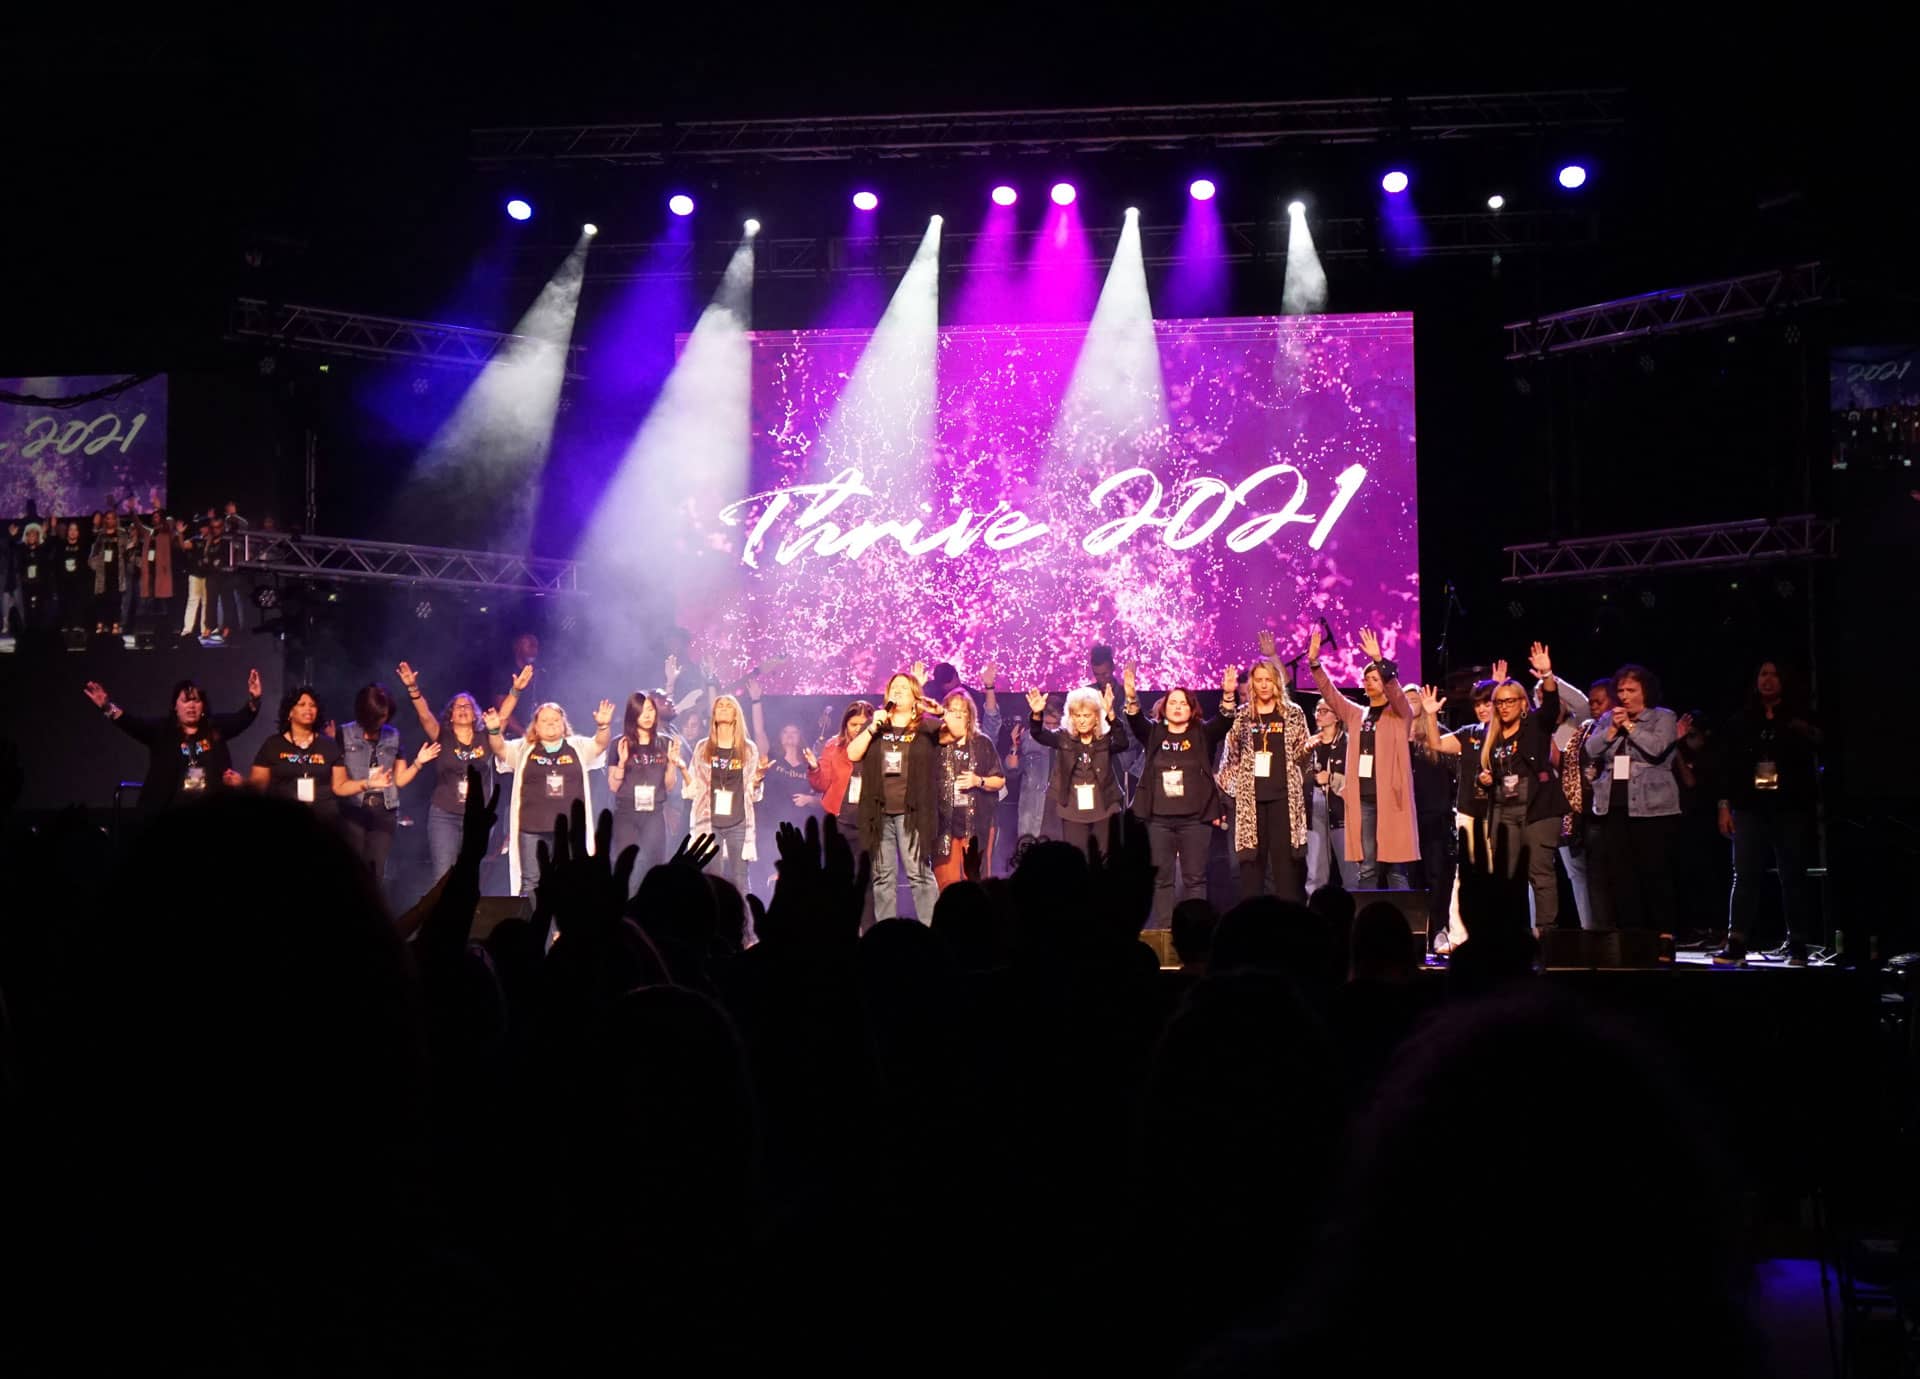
1240	779
1573	780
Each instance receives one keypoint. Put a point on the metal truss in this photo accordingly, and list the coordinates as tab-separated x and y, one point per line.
319	559
1676	309
1338	239
1675	548
357	335
1098	129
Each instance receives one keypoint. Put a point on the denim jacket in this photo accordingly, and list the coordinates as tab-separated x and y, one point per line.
1651	788
361	756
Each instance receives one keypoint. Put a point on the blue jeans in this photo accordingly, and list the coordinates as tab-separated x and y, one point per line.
530	859
886	878
1573	857
732	860
1373	874
443	840
1326	846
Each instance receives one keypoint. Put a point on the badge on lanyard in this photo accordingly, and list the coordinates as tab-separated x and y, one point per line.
959	795
556	785
1173	783
1083	796
853	790
643	799
196	778
893	760
1620	765
461	786
1263	764
723	803
1366	766
1766	775
303	789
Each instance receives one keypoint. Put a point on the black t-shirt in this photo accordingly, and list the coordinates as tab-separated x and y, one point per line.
1176	774
204	763
289	764
1511	784
1363	747
551	785
893	744
646	771
1270	735
450	770
729	784
1327	757
1088	760
784	780
1472	798
36	565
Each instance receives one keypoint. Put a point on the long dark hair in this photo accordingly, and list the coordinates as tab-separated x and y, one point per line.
630	726
373	707
854	710
190	688
1793	694
294	697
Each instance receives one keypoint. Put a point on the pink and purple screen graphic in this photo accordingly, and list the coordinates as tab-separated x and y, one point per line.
1015	494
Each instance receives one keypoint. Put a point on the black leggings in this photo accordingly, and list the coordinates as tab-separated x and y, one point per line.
1077	833
370	833
1274	853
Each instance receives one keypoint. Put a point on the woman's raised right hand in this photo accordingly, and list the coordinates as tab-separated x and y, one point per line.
98	694
1037	700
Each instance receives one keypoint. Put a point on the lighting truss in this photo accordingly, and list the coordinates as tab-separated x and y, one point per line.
1098	129
315	559
1756	542
1676	309
1342	238
357	335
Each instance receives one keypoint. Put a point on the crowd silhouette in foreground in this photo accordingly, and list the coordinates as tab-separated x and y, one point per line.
263	1127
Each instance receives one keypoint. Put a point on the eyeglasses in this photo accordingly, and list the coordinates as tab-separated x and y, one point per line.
1510	699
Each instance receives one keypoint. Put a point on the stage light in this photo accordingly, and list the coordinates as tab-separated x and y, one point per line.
1200	189
423	610
1296	208
1573	176
865	201
1496	201
589	229
1004	195
936	220
1063	193
752	227
680	204
1133	213
520	210
1394	182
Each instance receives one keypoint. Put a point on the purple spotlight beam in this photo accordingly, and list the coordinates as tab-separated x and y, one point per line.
1063	193
1201	189
1004	195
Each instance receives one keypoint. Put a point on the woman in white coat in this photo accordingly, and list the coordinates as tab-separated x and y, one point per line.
551	769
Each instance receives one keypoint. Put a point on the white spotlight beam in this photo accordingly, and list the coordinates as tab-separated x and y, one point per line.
1116	393
1304	290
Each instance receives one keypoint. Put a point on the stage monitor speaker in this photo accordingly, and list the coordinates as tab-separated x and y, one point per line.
495	910
1411	904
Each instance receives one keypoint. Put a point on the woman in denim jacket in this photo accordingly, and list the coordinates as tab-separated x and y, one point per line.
1636	807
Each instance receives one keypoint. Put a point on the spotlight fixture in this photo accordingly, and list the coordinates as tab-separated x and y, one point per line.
752	227
865	201
1201	189
520	210
936	219
1496	201
265	596
589	229
680	204
1394	182
1296	208
1133	213
1063	193
1003	195
423	610
420	386
1573	176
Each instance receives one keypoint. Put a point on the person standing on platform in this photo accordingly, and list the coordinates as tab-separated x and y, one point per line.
154	552
1326	817
38	604
898	761
112	585
1178	799
1032	761
376	774
1381	835
643	775
1636	807
1577	775
552	767
832	776
1462	745
1086	762
1770	763
1525	801
463	742
1266	753
189	751
970	782
728	774
300	762
789	797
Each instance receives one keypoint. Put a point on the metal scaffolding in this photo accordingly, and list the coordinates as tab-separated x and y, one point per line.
326	559
1098	129
1669	311
1675	548
1245	241
358	335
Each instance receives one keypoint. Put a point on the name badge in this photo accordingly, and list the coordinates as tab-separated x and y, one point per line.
643	799
151	555
1366	766
1263	764
73	563
893	760
33	572
1766	775
959	795
107	555
853	790
1083	796
303	789
1509	787
1621	765
460	787
1173	784
556	785
196	778
723	803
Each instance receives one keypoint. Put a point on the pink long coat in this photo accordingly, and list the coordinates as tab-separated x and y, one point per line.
1399	833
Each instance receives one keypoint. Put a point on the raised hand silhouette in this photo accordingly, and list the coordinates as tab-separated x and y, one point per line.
582	891
820	891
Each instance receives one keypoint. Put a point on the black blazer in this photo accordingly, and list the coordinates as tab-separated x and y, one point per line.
923	790
1546	799
1105	769
166	767
1212	732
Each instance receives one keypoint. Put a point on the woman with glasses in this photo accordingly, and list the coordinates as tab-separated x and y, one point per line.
1524	798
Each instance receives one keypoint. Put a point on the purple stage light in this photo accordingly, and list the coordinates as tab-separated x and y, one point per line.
865	201
1200	189
1004	195
1573	176
1394	182
1063	193
519	210
680	204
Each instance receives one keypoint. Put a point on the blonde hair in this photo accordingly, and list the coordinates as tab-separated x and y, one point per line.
1086	694
566	725
1279	680
739	724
